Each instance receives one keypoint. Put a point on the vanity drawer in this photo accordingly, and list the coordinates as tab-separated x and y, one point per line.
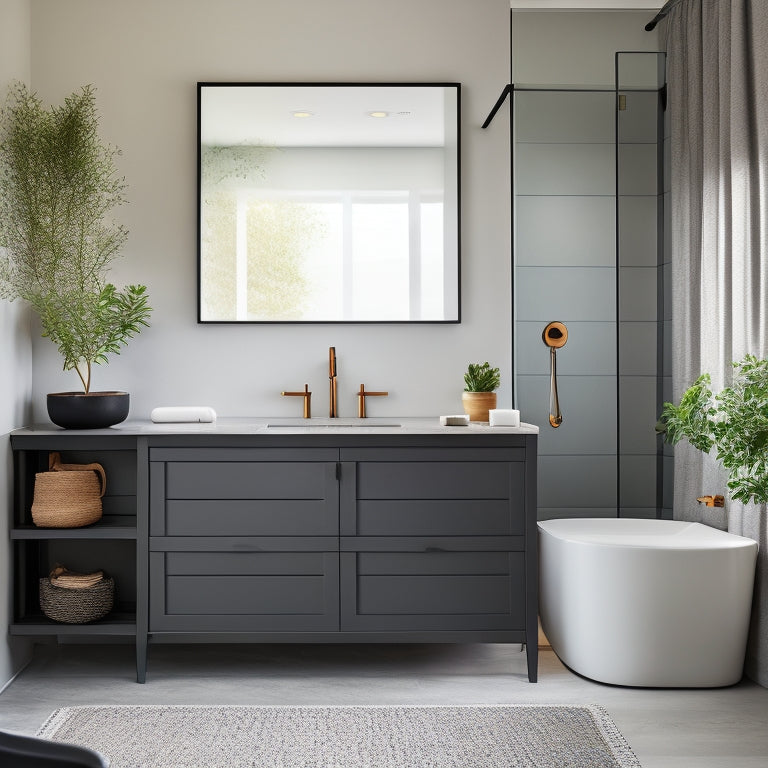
254	517
247	479
244	591
432	590
225	498
437	479
438	517
433	498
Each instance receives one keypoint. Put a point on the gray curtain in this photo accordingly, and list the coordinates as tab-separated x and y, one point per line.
718	100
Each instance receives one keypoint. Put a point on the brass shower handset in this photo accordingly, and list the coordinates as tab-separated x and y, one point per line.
554	335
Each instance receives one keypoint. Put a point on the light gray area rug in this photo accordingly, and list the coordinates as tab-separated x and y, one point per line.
519	736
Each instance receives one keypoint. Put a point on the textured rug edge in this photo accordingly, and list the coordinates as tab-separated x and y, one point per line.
612	735
614	738
56	719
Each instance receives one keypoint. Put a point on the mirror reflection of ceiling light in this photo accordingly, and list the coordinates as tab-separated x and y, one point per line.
378	113
302	113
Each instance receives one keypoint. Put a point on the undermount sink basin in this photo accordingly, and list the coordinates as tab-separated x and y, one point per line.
332	424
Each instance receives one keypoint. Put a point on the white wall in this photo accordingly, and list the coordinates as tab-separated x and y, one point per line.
145	57
15	346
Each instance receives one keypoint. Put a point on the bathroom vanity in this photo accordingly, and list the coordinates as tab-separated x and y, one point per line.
292	530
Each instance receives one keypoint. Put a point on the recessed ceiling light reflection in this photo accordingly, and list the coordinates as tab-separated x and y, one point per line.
302	113
378	113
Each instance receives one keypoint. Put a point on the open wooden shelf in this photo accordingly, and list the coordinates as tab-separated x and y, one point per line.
106	528
117	623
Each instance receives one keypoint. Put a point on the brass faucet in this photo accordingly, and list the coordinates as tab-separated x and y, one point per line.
361	395
307	395
334	409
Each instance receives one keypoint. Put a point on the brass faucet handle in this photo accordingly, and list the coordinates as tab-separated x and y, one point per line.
712	501
333	398
361	395
307	395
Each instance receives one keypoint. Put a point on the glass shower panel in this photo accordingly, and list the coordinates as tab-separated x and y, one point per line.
588	204
640	259
564	193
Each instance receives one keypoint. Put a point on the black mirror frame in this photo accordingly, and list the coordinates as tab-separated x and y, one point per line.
204	84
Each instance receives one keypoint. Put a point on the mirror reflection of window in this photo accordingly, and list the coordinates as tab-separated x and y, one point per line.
309	230
356	254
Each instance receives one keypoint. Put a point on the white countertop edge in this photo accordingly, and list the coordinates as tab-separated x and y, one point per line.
256	425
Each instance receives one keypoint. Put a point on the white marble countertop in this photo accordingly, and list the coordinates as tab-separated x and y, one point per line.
252	425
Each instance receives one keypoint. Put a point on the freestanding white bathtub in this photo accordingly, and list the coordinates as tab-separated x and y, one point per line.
658	603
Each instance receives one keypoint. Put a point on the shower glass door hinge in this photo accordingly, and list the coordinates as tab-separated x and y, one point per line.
622	102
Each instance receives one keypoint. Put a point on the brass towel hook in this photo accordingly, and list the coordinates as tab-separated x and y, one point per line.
554	335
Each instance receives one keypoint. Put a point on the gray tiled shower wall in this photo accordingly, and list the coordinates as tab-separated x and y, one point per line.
605	457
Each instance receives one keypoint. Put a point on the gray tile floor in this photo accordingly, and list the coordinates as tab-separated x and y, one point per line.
667	728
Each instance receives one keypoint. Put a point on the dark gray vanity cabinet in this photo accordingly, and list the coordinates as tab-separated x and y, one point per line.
432	539
227	536
243	540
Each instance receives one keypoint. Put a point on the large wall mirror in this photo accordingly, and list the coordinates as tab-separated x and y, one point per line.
328	202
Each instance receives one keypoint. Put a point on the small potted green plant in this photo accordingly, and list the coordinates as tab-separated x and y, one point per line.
480	385
58	183
734	422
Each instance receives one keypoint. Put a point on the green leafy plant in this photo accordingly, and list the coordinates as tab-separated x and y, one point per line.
480	377
734	422
58	183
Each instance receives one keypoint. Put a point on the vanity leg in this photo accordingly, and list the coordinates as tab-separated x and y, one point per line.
141	658
532	654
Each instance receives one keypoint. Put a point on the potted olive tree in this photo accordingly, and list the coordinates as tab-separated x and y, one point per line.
58	184
734	422
479	395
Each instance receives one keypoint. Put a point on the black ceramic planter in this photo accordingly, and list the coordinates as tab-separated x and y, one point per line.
95	410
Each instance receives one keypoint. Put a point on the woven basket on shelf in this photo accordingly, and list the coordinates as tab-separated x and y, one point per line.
77	606
68	495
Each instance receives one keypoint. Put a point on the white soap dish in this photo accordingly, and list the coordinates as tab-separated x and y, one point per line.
504	417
